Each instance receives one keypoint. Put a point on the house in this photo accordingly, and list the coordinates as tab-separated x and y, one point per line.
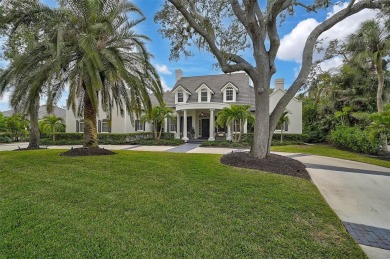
197	101
42	112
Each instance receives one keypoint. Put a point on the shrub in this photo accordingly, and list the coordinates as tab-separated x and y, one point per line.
5	139
355	139
114	139
228	144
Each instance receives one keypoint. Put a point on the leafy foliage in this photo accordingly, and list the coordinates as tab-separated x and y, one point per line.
355	139
157	116
52	124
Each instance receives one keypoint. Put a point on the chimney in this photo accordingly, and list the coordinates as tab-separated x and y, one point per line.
179	74
279	84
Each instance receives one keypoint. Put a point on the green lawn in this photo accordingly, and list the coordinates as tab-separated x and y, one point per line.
326	150
142	204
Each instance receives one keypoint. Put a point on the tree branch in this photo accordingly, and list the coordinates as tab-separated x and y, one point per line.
241	64
307	56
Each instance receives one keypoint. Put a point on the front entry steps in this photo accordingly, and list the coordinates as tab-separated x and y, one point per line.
197	141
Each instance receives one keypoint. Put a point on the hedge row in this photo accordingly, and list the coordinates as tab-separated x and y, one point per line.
144	142
355	139
230	144
105	138
295	138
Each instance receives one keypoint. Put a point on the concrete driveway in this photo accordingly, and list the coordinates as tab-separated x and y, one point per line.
359	193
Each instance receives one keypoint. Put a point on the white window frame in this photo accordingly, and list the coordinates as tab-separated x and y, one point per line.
229	89
81	122
204	91
180	92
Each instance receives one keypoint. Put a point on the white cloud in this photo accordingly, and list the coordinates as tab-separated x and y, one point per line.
4	100
163	69
292	44
331	63
164	85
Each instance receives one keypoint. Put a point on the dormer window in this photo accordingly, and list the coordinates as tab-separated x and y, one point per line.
229	93
204	95
180	97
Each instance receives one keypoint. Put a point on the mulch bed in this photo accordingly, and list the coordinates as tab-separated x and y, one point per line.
82	151
273	163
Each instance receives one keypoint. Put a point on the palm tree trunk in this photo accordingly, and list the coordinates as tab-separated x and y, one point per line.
34	128
381	81
159	135
90	129
379	100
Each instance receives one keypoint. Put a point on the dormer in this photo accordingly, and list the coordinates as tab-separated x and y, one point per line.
204	93
181	95
229	92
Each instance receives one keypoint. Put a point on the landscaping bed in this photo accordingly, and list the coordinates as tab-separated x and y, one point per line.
166	205
82	151
273	163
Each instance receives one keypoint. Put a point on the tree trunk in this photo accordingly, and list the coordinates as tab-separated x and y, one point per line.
261	136
90	129
34	128
381	81
281	134
159	135
54	136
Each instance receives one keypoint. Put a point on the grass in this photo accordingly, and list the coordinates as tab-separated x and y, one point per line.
326	150
141	204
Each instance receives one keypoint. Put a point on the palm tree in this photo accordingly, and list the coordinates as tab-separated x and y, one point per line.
92	48
368	46
284	119
157	116
52	124
28	52
235	114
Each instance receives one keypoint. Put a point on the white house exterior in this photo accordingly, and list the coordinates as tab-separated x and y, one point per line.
197	101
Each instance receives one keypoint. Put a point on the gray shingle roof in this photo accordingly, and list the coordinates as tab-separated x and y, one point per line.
215	82
42	112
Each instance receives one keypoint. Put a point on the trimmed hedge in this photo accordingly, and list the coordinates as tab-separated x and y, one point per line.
107	138
355	139
230	144
292	138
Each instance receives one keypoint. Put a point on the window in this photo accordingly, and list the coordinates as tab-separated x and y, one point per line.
236	126
285	126
203	95
79	125
180	97
229	94
106	125
139	125
171	125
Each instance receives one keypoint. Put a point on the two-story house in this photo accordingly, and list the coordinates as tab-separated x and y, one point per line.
197	101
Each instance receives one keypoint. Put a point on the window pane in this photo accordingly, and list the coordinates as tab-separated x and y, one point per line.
203	96
81	125
229	94
180	96
106	126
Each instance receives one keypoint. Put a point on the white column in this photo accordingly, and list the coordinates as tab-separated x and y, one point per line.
166	125
246	126
229	133
212	126
185	138
177	125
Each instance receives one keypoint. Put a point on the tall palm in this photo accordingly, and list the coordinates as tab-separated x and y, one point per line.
368	46
92	48
28	52
52	124
157	116
233	115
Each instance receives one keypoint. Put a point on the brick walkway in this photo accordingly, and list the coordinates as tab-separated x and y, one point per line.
369	236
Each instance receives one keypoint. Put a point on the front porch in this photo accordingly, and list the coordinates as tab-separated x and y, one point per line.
200	123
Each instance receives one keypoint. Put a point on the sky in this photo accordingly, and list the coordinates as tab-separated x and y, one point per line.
293	33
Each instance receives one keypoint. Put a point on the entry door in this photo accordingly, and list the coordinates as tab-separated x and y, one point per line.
205	128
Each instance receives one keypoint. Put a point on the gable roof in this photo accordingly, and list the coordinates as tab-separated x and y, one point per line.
215	83
42	112
202	85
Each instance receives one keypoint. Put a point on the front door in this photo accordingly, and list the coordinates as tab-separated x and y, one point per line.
205	128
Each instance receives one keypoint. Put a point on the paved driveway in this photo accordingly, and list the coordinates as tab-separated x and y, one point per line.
359	193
